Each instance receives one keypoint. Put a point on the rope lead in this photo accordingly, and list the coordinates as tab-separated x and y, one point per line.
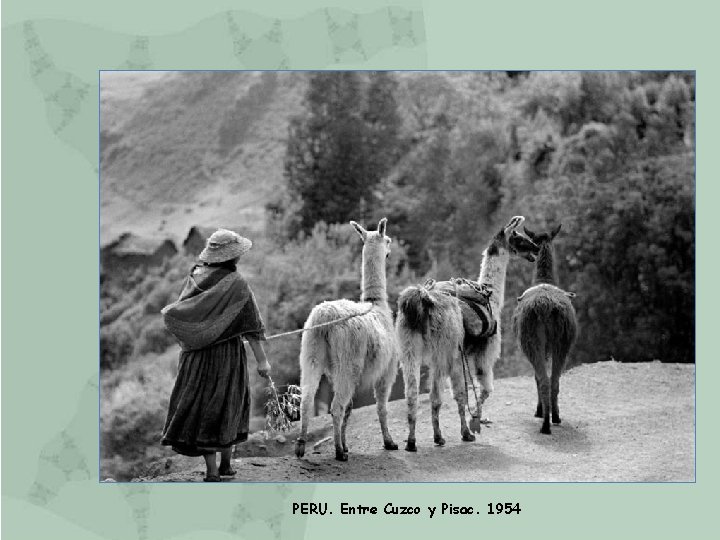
466	369
329	323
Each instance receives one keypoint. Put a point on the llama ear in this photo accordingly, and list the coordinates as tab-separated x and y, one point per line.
382	225
531	235
514	223
556	230
362	232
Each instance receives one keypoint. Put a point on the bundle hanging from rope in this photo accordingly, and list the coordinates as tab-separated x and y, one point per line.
281	409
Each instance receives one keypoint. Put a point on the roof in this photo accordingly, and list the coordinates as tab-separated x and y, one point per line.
203	232
132	244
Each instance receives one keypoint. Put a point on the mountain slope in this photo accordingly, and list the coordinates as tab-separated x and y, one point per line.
183	149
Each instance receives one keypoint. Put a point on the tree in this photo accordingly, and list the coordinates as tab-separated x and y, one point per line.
340	147
383	124
627	250
621	182
416	199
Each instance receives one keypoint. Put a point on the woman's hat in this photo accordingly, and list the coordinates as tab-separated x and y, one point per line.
224	245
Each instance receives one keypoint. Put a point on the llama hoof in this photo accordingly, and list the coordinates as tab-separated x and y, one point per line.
538	414
439	441
468	437
389	445
545	430
410	446
299	448
556	420
341	455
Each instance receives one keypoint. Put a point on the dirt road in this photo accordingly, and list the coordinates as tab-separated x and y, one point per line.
621	422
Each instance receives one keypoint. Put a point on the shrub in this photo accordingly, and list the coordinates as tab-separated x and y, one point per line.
163	294
110	312
116	344
134	400
154	337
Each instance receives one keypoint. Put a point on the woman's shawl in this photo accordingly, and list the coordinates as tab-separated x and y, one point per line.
199	317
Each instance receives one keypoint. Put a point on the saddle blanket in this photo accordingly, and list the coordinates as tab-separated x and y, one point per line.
478	318
545	287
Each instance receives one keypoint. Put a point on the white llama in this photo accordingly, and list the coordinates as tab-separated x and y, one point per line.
430	331
359	351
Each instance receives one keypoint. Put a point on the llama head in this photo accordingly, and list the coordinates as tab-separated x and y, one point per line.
545	267
375	243
509	240
545	237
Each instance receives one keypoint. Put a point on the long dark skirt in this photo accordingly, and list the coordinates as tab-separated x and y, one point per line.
210	403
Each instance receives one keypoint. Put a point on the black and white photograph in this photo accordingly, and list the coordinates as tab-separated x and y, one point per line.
397	276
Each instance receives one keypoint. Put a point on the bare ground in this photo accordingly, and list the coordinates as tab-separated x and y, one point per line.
621	423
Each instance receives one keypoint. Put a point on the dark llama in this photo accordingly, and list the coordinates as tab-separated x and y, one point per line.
546	326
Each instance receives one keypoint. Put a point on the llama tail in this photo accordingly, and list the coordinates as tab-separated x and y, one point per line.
313	361
414	306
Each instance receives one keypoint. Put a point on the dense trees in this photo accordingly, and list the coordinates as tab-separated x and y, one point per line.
621	179
446	157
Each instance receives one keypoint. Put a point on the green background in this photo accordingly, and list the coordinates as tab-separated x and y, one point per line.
51	54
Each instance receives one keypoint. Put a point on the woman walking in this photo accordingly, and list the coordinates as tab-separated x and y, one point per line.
209	409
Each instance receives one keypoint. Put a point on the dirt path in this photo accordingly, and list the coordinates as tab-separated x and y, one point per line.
621	422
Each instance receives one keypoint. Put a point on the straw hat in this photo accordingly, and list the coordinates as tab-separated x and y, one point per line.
224	245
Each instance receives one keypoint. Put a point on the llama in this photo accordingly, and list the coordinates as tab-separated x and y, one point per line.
356	352
545	324
430	330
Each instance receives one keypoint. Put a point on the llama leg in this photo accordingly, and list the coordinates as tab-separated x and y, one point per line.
545	391
340	402
382	392
461	397
486	374
535	346
487	381
560	350
435	404
538	410
309	384
348	412
411	377
554	391
538	362
557	368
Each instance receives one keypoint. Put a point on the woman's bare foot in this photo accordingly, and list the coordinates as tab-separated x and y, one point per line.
212	475
225	465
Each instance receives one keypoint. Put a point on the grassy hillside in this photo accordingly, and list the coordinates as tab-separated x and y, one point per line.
183	149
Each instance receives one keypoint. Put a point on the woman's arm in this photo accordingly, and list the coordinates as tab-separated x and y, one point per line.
263	366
